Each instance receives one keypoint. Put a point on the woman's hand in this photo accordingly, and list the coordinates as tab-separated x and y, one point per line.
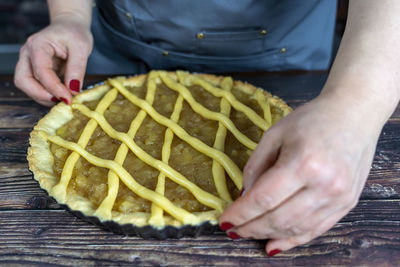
62	48
307	172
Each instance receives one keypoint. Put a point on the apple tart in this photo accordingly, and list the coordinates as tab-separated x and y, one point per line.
157	155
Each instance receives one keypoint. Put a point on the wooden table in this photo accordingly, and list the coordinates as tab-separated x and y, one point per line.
34	230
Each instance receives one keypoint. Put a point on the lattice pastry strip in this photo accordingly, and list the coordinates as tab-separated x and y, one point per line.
221	162
219	143
156	211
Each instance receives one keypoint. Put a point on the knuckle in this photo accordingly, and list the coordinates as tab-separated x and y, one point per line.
332	177
293	242
86	48
35	53
38	74
248	170
32	41
31	38
22	50
79	63
17	81
295	230
17	77
254	233
288	226
337	186
263	200
312	167
283	225
303	239
83	45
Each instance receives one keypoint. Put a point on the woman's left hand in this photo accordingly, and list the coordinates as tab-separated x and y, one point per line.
307	172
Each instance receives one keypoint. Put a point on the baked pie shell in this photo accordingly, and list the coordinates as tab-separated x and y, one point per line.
41	161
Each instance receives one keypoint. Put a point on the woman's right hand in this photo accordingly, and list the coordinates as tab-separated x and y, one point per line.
60	49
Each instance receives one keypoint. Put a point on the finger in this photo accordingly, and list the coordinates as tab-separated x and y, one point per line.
24	80
262	158
325	222
43	71
270	190
287	219
75	69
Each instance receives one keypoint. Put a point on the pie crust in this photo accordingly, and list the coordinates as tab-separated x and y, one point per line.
164	217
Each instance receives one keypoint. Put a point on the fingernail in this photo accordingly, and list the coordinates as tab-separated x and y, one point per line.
54	99
273	252
232	235
65	100
225	226
74	85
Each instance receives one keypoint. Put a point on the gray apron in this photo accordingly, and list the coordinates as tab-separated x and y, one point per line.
211	35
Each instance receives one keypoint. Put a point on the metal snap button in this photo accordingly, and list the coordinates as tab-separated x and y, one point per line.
200	35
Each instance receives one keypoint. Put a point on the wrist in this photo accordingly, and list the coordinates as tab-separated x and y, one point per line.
71	17
358	104
76	11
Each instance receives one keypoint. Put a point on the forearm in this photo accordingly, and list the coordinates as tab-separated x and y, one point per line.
80	9
366	71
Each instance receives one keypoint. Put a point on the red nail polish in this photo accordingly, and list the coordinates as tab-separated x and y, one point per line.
54	99
225	226
273	252
65	100
233	235
74	85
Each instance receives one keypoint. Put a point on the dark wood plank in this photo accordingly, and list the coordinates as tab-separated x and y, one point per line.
13	169
384	178
57	237
387	156
13	145
386	185
18	189
20	114
8	91
376	209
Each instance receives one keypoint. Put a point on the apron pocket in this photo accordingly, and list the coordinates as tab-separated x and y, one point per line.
231	42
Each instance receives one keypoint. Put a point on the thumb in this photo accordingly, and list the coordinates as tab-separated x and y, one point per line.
75	69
